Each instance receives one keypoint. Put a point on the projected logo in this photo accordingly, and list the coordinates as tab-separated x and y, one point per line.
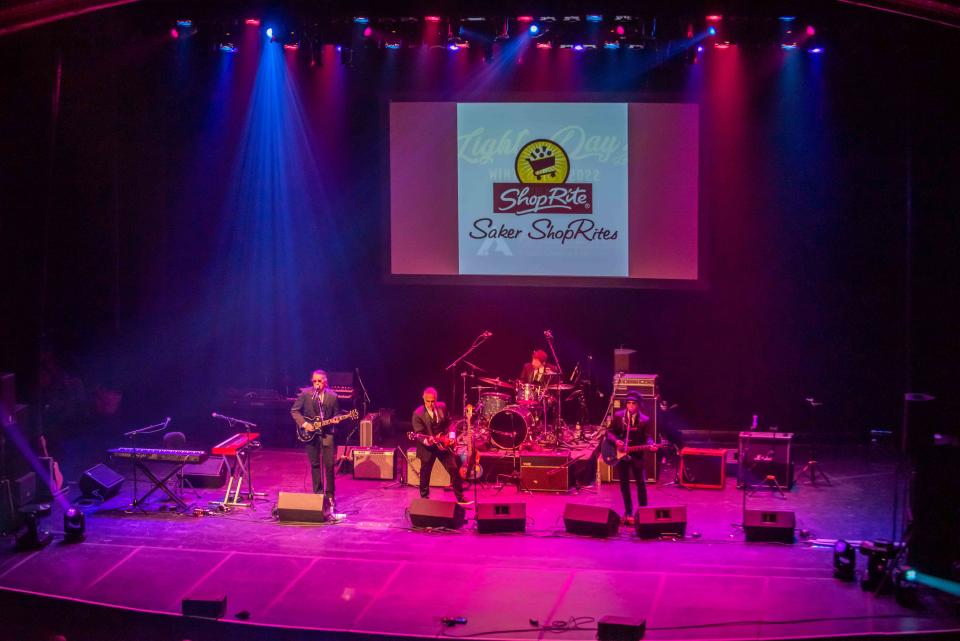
542	168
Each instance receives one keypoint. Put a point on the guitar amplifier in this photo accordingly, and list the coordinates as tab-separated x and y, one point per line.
438	477
764	454
375	463
703	468
646	384
545	472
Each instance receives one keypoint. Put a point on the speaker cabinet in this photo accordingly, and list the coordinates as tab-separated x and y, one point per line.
373	463
591	520
303	507
655	522
545	472
764	454
211	474
769	525
431	513
703	468
366	432
100	481
501	517
438	477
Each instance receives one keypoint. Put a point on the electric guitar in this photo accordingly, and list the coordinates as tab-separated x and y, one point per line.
318	426
441	441
471	465
611	454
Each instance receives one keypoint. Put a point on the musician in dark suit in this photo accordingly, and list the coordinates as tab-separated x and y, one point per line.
537	370
318	403
631	427
432	419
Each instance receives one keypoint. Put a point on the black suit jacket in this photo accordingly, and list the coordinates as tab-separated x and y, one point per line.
640	434
527	374
423	424
305	407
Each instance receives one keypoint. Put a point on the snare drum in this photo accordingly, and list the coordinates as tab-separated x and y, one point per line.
491	403
529	393
511	426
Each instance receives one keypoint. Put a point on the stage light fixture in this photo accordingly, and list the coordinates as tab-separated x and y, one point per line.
712	31
361	20
184	23
367	32
74	525
811	31
534	28
844	561
815	50
714	18
611	44
253	22
432	19
905	587
620	30
270	32
594	17
228	47
878	553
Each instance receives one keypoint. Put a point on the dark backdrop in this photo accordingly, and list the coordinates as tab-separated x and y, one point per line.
188	221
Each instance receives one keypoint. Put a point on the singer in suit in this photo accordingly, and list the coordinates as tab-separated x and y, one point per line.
318	403
631	427
432	419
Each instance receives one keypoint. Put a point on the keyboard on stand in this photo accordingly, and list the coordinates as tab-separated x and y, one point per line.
159	454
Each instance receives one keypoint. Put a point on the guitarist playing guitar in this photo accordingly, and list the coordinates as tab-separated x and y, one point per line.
629	433
431	426
318	403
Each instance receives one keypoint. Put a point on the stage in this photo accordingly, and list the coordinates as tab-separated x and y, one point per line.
373	574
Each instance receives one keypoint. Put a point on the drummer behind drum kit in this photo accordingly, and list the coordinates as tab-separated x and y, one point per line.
517	415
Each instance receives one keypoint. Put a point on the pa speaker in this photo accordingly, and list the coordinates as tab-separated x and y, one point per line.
100	481
655	522
501	517
769	525
430	513
303	507
210	474
591	520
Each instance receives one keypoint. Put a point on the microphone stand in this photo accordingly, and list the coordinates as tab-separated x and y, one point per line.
244	465
366	397
559	375
477	342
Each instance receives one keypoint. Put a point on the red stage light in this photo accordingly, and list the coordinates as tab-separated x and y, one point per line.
432	18
810	30
620	30
714	18
253	22
524	18
174	34
367	32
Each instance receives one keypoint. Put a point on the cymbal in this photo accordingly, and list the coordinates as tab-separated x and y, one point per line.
496	381
562	387
480	387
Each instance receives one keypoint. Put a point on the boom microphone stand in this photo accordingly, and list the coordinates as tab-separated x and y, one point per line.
559	375
477	342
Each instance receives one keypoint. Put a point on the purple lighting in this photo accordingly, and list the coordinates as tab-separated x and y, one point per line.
817	50
578	47
534	29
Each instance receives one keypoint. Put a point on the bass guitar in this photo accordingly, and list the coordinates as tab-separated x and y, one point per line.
441	441
611	454
471	465
318	427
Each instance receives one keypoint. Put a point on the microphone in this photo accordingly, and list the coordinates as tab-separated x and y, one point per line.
548	333
166	423
486	334
232	420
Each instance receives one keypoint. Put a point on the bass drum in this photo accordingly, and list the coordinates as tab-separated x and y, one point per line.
510	426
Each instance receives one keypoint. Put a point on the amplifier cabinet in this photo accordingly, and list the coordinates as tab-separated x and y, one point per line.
375	463
438	477
765	454
703	468
646	384
545	472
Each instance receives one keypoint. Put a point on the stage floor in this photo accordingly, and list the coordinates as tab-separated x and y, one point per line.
372	573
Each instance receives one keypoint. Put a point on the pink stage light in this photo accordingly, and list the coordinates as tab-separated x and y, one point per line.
174	33
253	22
714	18
367	32
620	30
432	18
811	31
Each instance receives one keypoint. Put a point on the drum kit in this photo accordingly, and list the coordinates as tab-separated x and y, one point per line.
513	414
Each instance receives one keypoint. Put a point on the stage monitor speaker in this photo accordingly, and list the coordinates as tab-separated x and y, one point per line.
655	522
438	477
501	517
206	608
703	468
613	628
101	482
373	463
769	525
430	513
211	474
545	472
591	520
302	506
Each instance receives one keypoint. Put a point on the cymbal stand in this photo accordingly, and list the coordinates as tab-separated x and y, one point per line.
559	376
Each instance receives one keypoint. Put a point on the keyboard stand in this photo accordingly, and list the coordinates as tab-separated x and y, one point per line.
159	484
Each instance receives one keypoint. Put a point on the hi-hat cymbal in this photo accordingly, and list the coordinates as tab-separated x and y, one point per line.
481	387
562	387
496	381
